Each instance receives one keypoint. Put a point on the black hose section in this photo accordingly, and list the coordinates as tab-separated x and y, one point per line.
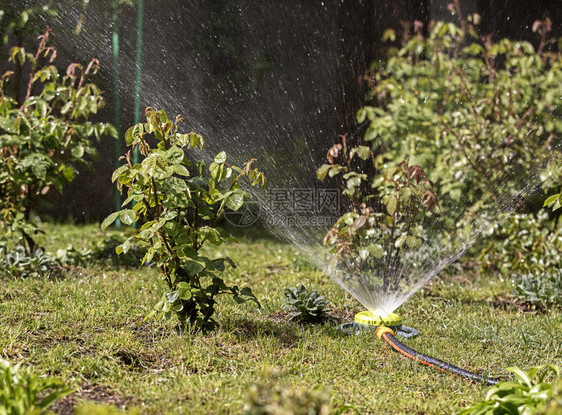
431	361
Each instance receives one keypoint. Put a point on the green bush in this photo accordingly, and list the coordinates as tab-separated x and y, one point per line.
387	216
23	393
44	134
20	263
481	120
178	209
524	244
528	250
305	305
529	394
541	289
477	115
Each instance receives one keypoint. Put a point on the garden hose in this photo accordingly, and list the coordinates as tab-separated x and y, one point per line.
386	328
387	334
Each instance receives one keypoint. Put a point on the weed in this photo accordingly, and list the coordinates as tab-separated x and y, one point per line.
305	305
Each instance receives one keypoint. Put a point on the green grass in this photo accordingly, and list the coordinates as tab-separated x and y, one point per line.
87	329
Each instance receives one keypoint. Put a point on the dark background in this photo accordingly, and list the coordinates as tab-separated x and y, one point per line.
276	80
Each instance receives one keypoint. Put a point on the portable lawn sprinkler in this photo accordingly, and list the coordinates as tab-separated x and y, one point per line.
386	328
365	321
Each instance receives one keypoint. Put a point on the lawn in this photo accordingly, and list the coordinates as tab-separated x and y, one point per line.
87	329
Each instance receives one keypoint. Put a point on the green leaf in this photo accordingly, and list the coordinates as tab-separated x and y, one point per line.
322	171
391	205
194	267
184	291
363	152
520	375
235	201
361	115
413	242
41	107
129	136
118	172
230	261
109	220
220	158
66	107
68	173
78	151
400	241
376	250
127	216
111	130
174	155
215	170
336	169
353	182
196	140
39	168
551	201
181	170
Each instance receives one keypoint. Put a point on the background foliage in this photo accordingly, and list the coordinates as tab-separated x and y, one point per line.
44	131
482	120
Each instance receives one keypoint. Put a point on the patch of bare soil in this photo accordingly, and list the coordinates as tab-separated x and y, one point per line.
97	393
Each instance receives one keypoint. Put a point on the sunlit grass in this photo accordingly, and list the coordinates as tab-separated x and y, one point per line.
87	329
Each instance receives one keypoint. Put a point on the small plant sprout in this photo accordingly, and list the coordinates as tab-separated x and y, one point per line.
305	305
529	393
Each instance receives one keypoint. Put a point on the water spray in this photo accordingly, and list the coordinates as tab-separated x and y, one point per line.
386	328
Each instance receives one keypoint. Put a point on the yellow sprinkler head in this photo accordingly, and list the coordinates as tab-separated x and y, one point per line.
366	318
367	322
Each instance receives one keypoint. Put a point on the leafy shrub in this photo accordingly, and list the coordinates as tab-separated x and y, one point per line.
541	289
20	263
22	392
527	394
481	119
179	210
44	134
478	116
305	305
389	209
524	244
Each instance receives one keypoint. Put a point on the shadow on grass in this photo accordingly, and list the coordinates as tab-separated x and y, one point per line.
286	333
280	326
